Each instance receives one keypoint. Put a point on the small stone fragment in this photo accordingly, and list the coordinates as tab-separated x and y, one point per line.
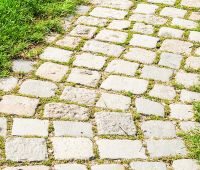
23	66
69	41
8	84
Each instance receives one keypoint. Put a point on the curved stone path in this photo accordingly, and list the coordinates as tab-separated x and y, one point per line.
111	94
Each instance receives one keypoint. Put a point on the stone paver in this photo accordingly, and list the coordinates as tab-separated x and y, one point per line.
166	148
56	54
30	127
148	165
183	164
123	67
112	92
8	84
52	71
90	61
80	95
84	77
72	148
144	41
158	129
67	128
140	55
163	92
38	88
115	123
136	86
105	48
148	107
18	105
26	149
61	110
113	101
120	149
23	66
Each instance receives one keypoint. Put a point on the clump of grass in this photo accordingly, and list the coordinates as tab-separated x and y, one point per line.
24	23
197	111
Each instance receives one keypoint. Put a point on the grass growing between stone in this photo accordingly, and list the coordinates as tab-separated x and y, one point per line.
24	23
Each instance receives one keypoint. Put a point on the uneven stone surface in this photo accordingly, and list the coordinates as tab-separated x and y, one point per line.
38	88
120	149
115	123
112	92
61	110
18	105
72	148
26	149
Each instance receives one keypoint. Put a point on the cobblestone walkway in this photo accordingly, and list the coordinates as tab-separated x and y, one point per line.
111	94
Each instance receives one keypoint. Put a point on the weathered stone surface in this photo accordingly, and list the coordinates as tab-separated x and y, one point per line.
148	165
80	95
50	38
189	125
56	54
156	73
173	12
181	111
3	126
194	36
193	62
36	167
112	36
182	164
82	9
83	31
88	20
30	127
123	67
195	16
108	167
102	47
26	149
89	60
144	41
184	23
191	3
69	41
168	2
163	148
158	129
108	13
125	4
114	101
148	107
143	28
18	105
8	84
68	128
120	149
38	88
146	9
115	123
24	66
170	60
116	83
84	77
148	19
170	45
187	79
189	96
170	32
163	92
70	167
72	148
141	55
52	71
61	110
119	24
